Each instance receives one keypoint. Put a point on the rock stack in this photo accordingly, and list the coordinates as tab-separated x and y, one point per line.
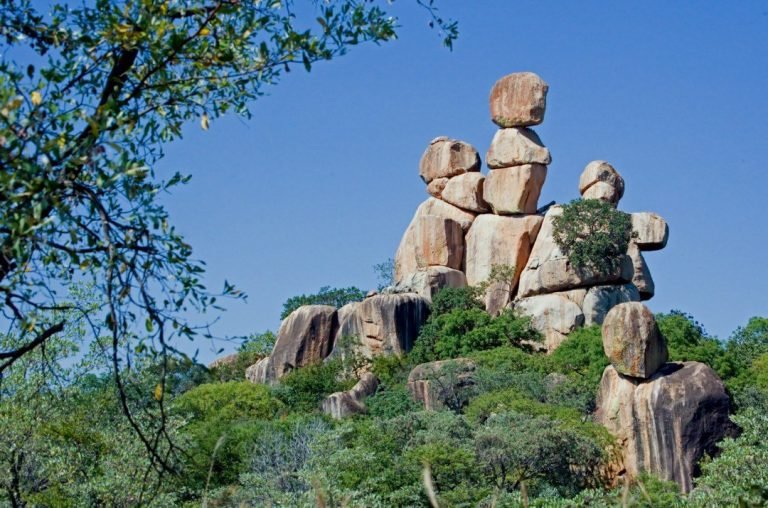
473	222
666	416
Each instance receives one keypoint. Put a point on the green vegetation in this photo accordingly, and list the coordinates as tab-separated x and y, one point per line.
519	432
593	234
335	297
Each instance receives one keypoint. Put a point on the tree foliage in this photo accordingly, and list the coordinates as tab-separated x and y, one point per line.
97	89
593	234
335	297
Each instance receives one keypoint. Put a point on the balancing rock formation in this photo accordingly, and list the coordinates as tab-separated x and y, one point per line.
666	416
471	222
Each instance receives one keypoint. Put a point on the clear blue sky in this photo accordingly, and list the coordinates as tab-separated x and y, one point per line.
321	183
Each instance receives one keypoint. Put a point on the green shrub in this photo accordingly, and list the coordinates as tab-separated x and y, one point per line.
593	234
449	299
304	389
688	341
462	331
581	354
223	423
390	402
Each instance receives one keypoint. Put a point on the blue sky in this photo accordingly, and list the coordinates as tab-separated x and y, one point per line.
322	182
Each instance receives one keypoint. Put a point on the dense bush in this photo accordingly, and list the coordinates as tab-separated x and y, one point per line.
593	234
303	389
223	423
459	332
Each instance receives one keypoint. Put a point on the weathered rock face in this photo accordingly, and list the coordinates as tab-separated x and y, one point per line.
632	341
436	186
406	260
650	231
603	192
667	423
257	373
427	283
601	299
519	100
342	404
548	269
515	147
438	384
382	324
446	157
600	171
514	190
641	278
439	241
466	192
306	336
495	240
554	315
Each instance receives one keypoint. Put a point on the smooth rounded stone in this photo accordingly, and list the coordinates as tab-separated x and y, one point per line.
601	171
553	315
515	147
642	275
632	340
446	157
428	282
665	424
466	192
435	384
649	231
518	100
496	240
604	192
406	261
340	405
548	269
306	336
439	241
599	300
436	186
382	324
514	190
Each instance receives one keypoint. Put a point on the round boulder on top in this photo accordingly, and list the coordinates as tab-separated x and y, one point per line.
632	340
600	180
519	100
445	157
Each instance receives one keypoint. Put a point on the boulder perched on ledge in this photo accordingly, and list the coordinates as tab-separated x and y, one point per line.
667	423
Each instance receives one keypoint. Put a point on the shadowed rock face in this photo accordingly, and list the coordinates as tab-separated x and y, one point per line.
666	424
305	336
382	324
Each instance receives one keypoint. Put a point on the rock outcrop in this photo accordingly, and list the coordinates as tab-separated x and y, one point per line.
496	240
554	315
667	423
306	336
352	402
381	324
666	416
437	385
502	224
446	157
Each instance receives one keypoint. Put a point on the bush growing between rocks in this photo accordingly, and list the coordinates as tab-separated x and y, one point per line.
335	297
593	234
302	390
